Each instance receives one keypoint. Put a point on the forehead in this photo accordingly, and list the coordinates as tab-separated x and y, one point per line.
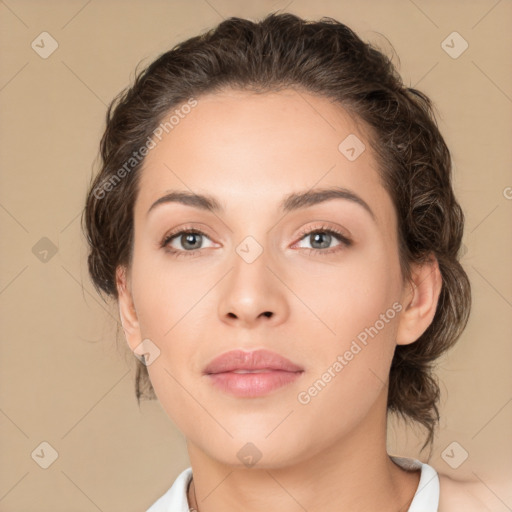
239	145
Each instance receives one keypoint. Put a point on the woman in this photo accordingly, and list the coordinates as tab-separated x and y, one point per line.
276	220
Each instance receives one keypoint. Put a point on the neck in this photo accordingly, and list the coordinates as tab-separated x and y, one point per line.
353	473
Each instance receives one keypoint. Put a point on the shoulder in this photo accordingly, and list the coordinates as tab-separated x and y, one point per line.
467	495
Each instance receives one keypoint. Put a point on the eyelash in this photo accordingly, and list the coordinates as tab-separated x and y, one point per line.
345	242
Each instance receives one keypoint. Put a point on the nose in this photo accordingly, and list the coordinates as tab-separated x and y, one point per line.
252	293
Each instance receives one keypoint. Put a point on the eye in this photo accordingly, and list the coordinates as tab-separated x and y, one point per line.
321	240
185	242
189	241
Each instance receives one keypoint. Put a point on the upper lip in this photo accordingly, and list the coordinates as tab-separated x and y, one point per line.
255	360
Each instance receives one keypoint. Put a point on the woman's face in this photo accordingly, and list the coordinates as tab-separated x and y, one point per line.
255	279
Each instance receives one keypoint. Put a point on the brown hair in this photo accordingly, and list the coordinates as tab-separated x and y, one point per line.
326	58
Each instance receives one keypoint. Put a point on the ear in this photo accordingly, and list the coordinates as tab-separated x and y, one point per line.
127	311
419	299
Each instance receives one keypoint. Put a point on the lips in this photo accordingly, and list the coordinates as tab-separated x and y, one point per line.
244	362
251	374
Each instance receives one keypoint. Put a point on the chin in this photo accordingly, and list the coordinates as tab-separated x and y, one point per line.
256	451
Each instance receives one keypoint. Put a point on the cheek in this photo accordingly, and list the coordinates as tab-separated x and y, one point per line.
351	364
167	293
351	295
356	319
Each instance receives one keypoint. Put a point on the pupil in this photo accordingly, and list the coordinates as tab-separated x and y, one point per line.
189	238
317	236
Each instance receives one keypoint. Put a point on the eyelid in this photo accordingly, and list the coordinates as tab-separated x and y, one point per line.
180	230
196	227
345	241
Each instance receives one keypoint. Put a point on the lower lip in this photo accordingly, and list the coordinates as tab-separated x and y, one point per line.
250	385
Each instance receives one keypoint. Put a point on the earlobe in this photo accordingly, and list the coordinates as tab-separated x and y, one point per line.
420	300
127	311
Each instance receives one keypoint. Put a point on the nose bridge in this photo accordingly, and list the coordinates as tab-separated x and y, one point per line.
250	274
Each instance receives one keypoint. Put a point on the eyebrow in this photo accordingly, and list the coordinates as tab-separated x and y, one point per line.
292	202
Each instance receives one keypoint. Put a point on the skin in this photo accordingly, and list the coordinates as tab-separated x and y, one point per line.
249	151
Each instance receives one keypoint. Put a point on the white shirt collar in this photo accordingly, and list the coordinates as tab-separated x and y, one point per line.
426	498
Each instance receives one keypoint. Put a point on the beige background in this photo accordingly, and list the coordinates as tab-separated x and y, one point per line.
63	378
